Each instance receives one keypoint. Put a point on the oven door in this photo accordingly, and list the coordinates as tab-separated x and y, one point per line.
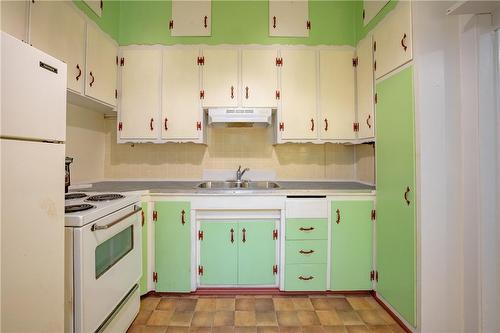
107	265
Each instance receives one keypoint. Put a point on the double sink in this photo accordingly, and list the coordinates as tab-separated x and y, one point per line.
233	184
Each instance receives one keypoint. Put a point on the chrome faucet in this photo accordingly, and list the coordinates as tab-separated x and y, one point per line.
240	173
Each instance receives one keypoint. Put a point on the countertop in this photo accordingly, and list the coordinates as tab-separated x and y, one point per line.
189	188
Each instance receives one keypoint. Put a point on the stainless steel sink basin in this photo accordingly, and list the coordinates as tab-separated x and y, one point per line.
232	184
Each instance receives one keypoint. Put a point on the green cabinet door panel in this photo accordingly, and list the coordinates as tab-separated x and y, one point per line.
219	253
304	228
256	253
173	246
143	282
351	245
306	251
305	277
395	225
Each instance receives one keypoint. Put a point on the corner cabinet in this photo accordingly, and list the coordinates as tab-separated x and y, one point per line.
289	18
172	222
191	18
396	226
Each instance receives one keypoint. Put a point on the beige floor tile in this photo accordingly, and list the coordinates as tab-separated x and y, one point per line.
308	318
335	329
142	317
264	304
340	304
160	318
290	329
329	318
154	329
135	329
359	303
373	303
242	329
321	303
313	329
371	317
387	317
245	304
244	318
196	329
181	318
206	304
223	329
303	304
283	304
287	318
350	318
177	329
357	329
225	304
397	329
224	318
380	329
149	303
268	329
167	304
186	304
203	319
266	318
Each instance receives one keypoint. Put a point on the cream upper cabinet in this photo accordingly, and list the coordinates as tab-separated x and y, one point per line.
392	40
58	29
298	95
337	94
140	91
101	66
14	18
220	77
371	9
181	108
289	18
95	6
364	85
191	18
259	78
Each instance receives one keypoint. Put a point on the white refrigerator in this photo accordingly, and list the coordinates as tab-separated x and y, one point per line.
32	152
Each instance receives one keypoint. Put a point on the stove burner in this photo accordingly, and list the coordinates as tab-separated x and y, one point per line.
70	196
77	208
105	197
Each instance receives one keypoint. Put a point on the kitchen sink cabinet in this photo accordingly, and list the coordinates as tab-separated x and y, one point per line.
191	18
143	282
392	40
364	86
259	78
140	92
298	95
220	77
351	244
14	18
181	112
101	66
336	94
396	220
58	29
289	18
248	249
172	221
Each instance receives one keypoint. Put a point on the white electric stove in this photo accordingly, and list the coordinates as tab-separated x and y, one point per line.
103	261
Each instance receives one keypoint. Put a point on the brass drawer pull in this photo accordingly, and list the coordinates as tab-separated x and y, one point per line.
306	252
310	277
406	195
306	229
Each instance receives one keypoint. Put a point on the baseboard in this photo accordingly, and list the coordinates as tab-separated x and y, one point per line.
389	311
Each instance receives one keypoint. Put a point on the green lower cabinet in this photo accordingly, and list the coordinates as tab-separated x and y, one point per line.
352	245
395	225
143	282
305	277
237	253
219	253
173	246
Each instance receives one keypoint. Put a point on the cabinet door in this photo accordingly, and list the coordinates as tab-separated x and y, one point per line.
371	9
14	18
392	38
298	95
288	18
58	28
351	245
173	246
143	282
220	77
180	92
101	64
259	78
256	253
219	253
140	93
337	97
364	80
395	226
191	18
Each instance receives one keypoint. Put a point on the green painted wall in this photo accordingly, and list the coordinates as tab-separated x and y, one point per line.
109	21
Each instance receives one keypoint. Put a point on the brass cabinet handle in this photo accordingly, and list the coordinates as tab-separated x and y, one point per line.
310	277
232	235
232	92
205	21
244	235
166	125
338	216
151	124
326	125
403	42
406	195
93	79
79	72
274	22
142	218
306	229
246	92
183	217
368	121
312	124
306	252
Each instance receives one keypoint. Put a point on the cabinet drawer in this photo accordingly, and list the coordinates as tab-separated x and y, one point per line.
306	252
306	229
305	277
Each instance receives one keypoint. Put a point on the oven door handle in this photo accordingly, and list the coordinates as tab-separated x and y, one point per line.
109	225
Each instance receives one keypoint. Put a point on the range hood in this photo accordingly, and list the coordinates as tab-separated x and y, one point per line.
240	117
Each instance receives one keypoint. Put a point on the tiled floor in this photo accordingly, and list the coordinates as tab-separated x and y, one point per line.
263	314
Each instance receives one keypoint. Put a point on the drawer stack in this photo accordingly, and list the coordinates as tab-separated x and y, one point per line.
306	245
